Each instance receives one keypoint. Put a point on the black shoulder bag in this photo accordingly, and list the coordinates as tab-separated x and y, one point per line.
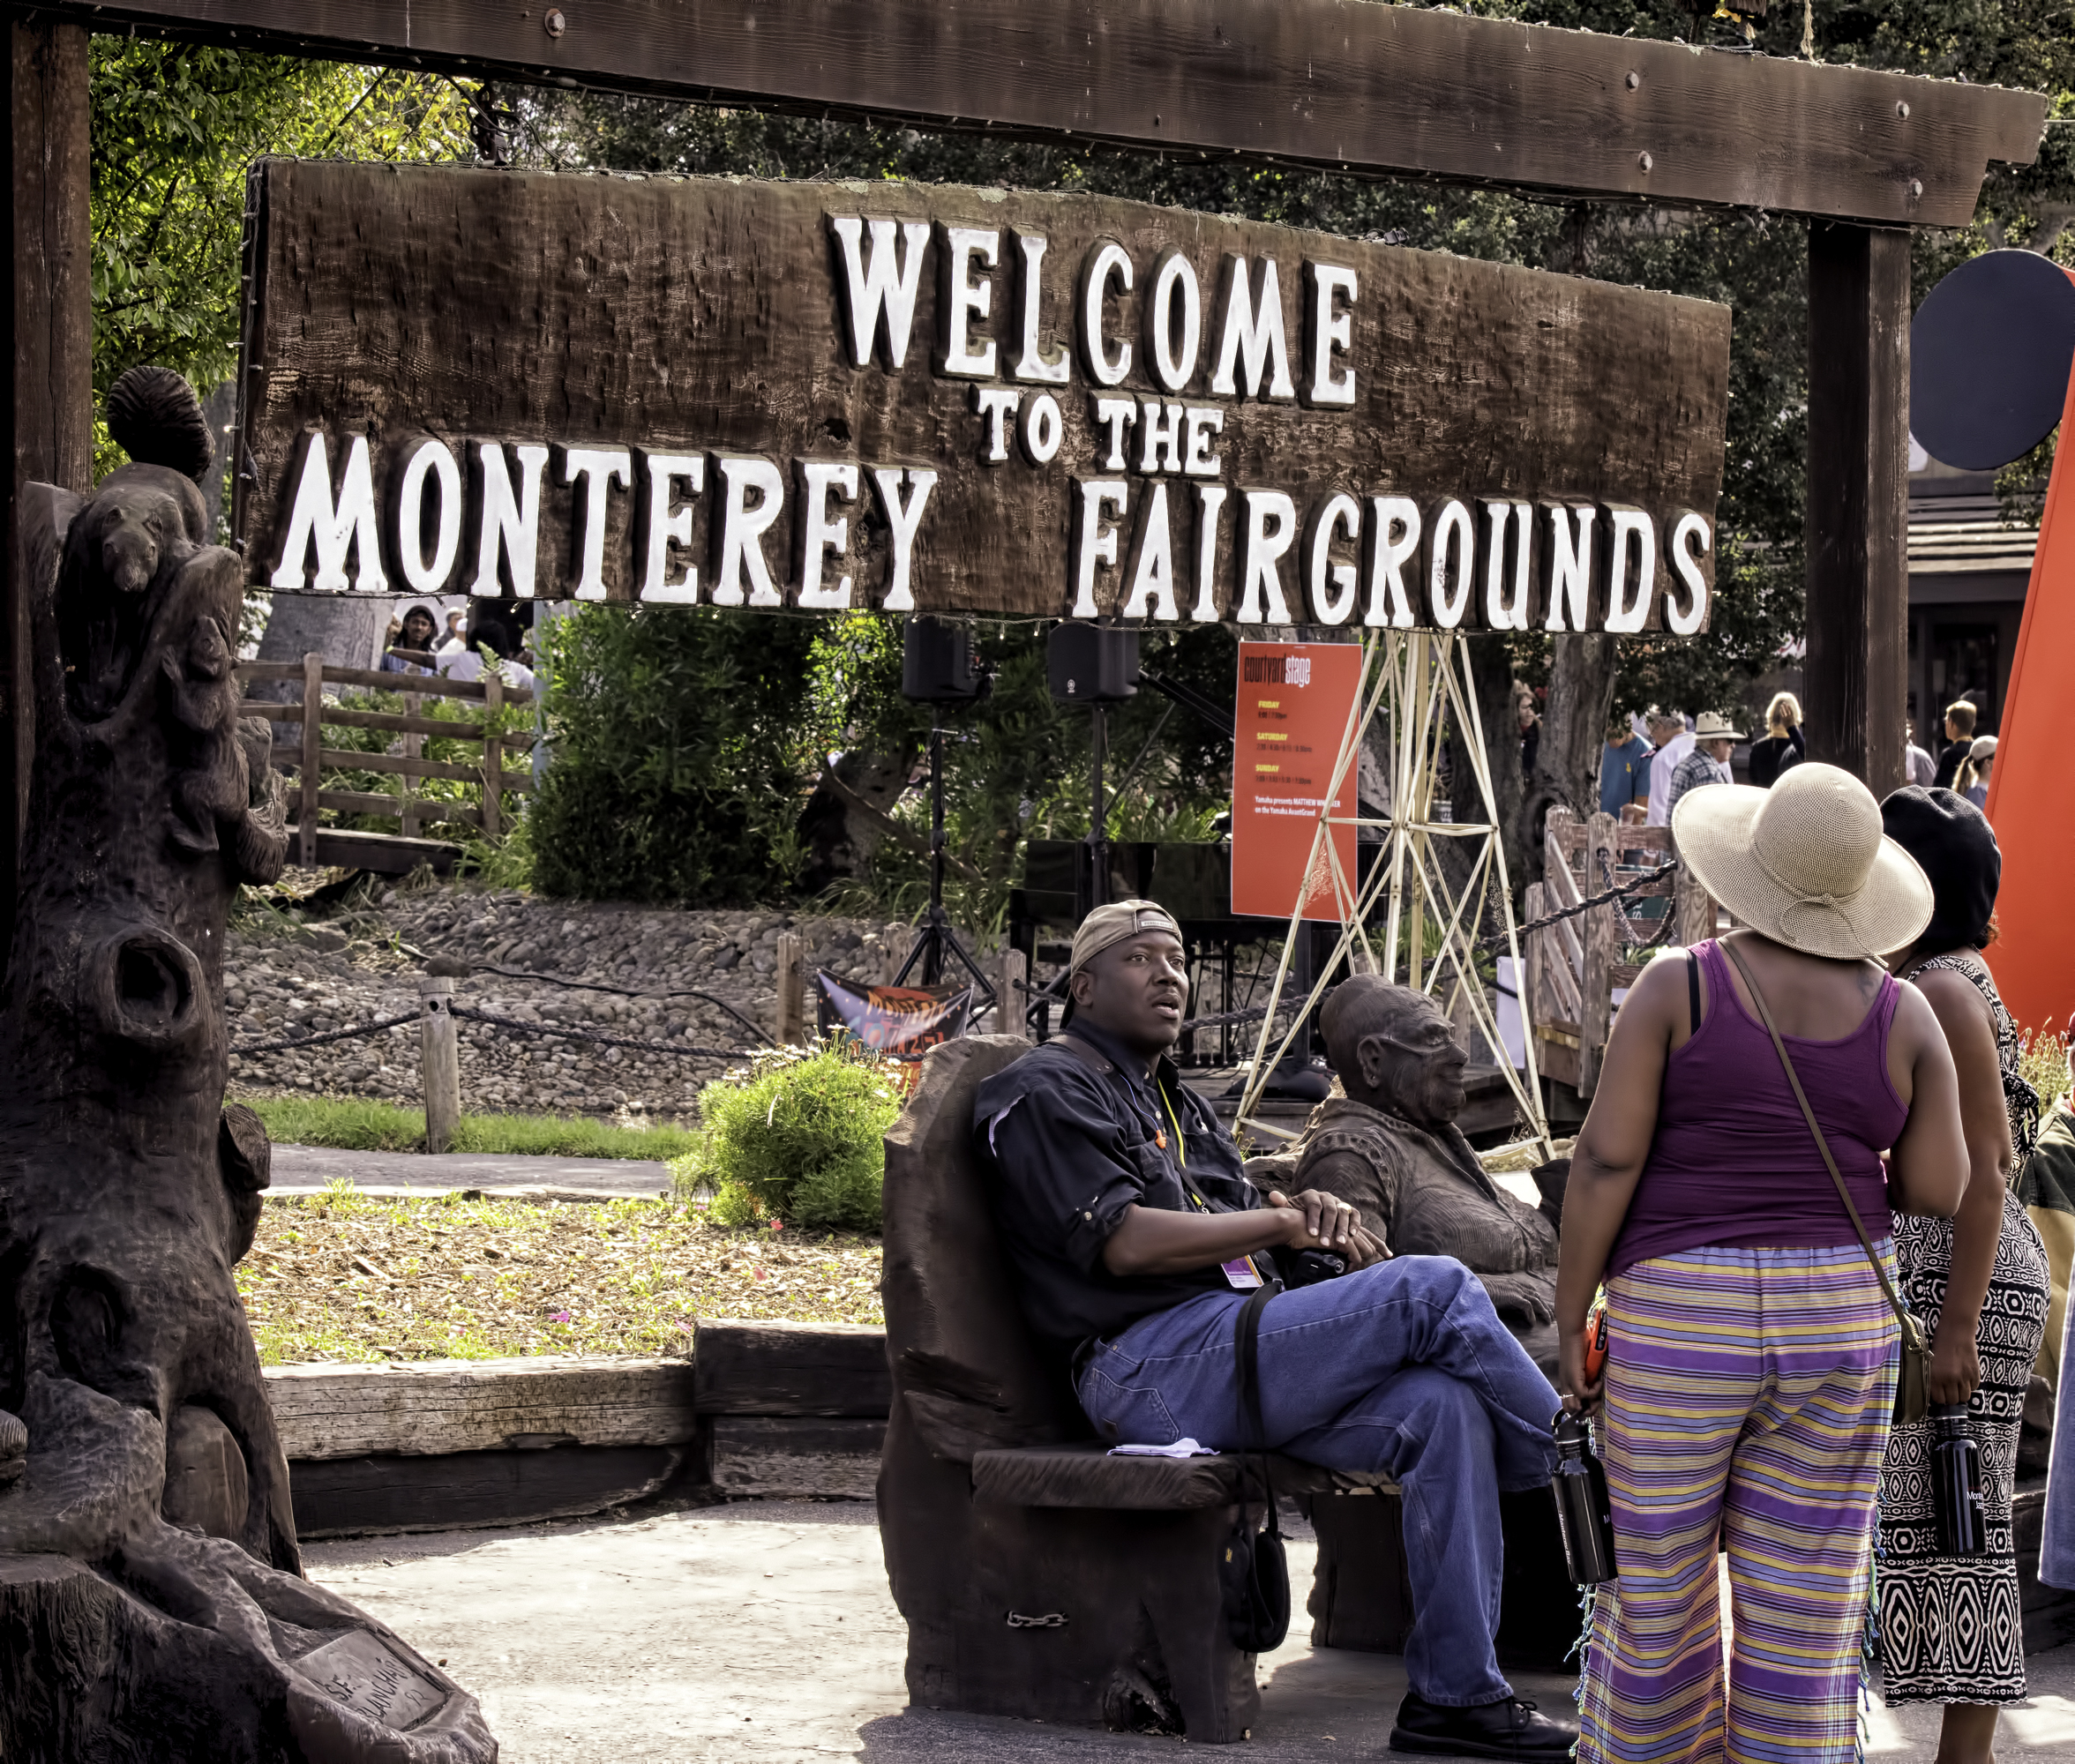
1255	1571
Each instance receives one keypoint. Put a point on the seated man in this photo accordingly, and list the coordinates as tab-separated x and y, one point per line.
1135	1235
1390	1147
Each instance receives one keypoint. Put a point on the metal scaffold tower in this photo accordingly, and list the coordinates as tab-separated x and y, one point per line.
1419	683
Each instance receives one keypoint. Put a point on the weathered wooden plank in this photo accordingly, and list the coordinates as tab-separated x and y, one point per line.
355	1497
743	1367
1858	524
703	327
438	1407
781	1458
372	802
1337	84
437	684
349	760
386	853
333	717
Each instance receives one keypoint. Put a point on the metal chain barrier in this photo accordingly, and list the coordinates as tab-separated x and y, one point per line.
465	1014
328	1035
1641	885
1629	938
625	992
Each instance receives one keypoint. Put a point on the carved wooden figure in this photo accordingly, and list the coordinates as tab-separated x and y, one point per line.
152	1604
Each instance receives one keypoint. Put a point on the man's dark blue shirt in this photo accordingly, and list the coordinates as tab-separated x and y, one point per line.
1068	1144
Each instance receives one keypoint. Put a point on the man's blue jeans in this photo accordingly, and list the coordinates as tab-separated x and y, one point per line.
1402	1368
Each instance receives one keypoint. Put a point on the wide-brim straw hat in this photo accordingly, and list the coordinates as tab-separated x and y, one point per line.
1806	862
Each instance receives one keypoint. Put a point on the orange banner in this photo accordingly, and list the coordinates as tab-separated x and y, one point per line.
2032	790
1295	703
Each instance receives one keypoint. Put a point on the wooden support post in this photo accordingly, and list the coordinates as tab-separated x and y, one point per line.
49	328
791	998
1012	974
1858	522
312	741
1529	981
414	748
1602	947
493	759
1693	909
441	1063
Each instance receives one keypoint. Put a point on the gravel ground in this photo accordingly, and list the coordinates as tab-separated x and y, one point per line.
281	980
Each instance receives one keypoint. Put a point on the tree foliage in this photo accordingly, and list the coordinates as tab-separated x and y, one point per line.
175	128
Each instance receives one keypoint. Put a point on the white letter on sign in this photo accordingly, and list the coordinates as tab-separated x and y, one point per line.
332	527
1453	530
435	457
819	535
1330	331
1252	333
1032	364
510	524
1633	530
963	302
879	287
742	532
1263	545
1107	261
1095	544
1341	511
1173	337
1689	543
1394	542
1567	574
1501	613
598	466
664	529
1152	571
903	523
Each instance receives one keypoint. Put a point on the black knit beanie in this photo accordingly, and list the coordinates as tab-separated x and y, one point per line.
1953	843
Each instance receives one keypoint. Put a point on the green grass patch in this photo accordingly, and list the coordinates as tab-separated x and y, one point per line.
352	1124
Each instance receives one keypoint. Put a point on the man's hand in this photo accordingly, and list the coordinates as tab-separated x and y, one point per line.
1325	1222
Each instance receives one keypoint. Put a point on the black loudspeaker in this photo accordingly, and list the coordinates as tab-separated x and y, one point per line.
1092	664
938	666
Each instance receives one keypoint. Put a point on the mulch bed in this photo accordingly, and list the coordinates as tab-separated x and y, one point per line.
342	1276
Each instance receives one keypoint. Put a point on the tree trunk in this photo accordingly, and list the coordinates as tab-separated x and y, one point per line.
1574	729
347	630
840	836
150	1598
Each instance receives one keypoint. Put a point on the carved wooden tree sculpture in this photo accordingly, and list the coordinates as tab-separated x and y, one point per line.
152	1604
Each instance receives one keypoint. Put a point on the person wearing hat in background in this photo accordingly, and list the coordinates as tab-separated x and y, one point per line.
1714	740
1668	730
1972	780
1751	1365
1135	1238
1950	1630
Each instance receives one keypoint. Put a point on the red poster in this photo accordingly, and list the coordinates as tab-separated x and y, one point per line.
1295	703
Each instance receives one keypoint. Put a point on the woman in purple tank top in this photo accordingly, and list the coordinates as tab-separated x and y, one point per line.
1751	1364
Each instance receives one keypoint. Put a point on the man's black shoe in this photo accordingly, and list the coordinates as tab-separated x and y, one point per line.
1510	1728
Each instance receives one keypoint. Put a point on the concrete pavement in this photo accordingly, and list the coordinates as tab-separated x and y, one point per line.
763	1634
299	1168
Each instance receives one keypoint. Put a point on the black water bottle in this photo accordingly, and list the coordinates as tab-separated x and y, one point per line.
1955	1482
1583	1511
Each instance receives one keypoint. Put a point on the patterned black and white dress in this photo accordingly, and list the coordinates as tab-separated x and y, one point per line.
1951	1631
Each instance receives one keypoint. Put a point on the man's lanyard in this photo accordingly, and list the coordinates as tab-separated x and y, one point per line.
1180	1144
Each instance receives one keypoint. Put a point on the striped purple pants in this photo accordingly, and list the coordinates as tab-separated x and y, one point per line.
1748	1398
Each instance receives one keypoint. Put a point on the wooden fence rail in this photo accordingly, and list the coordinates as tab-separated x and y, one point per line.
392	854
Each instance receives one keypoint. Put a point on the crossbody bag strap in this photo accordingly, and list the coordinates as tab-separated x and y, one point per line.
1248	1331
1821	1144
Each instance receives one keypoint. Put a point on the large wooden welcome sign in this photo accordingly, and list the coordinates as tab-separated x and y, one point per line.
897	397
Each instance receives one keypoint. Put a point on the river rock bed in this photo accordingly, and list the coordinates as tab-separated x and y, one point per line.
284	979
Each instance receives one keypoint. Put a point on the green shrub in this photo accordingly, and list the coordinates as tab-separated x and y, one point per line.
797	1137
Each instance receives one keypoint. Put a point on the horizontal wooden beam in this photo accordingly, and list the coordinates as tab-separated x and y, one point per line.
1337	84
